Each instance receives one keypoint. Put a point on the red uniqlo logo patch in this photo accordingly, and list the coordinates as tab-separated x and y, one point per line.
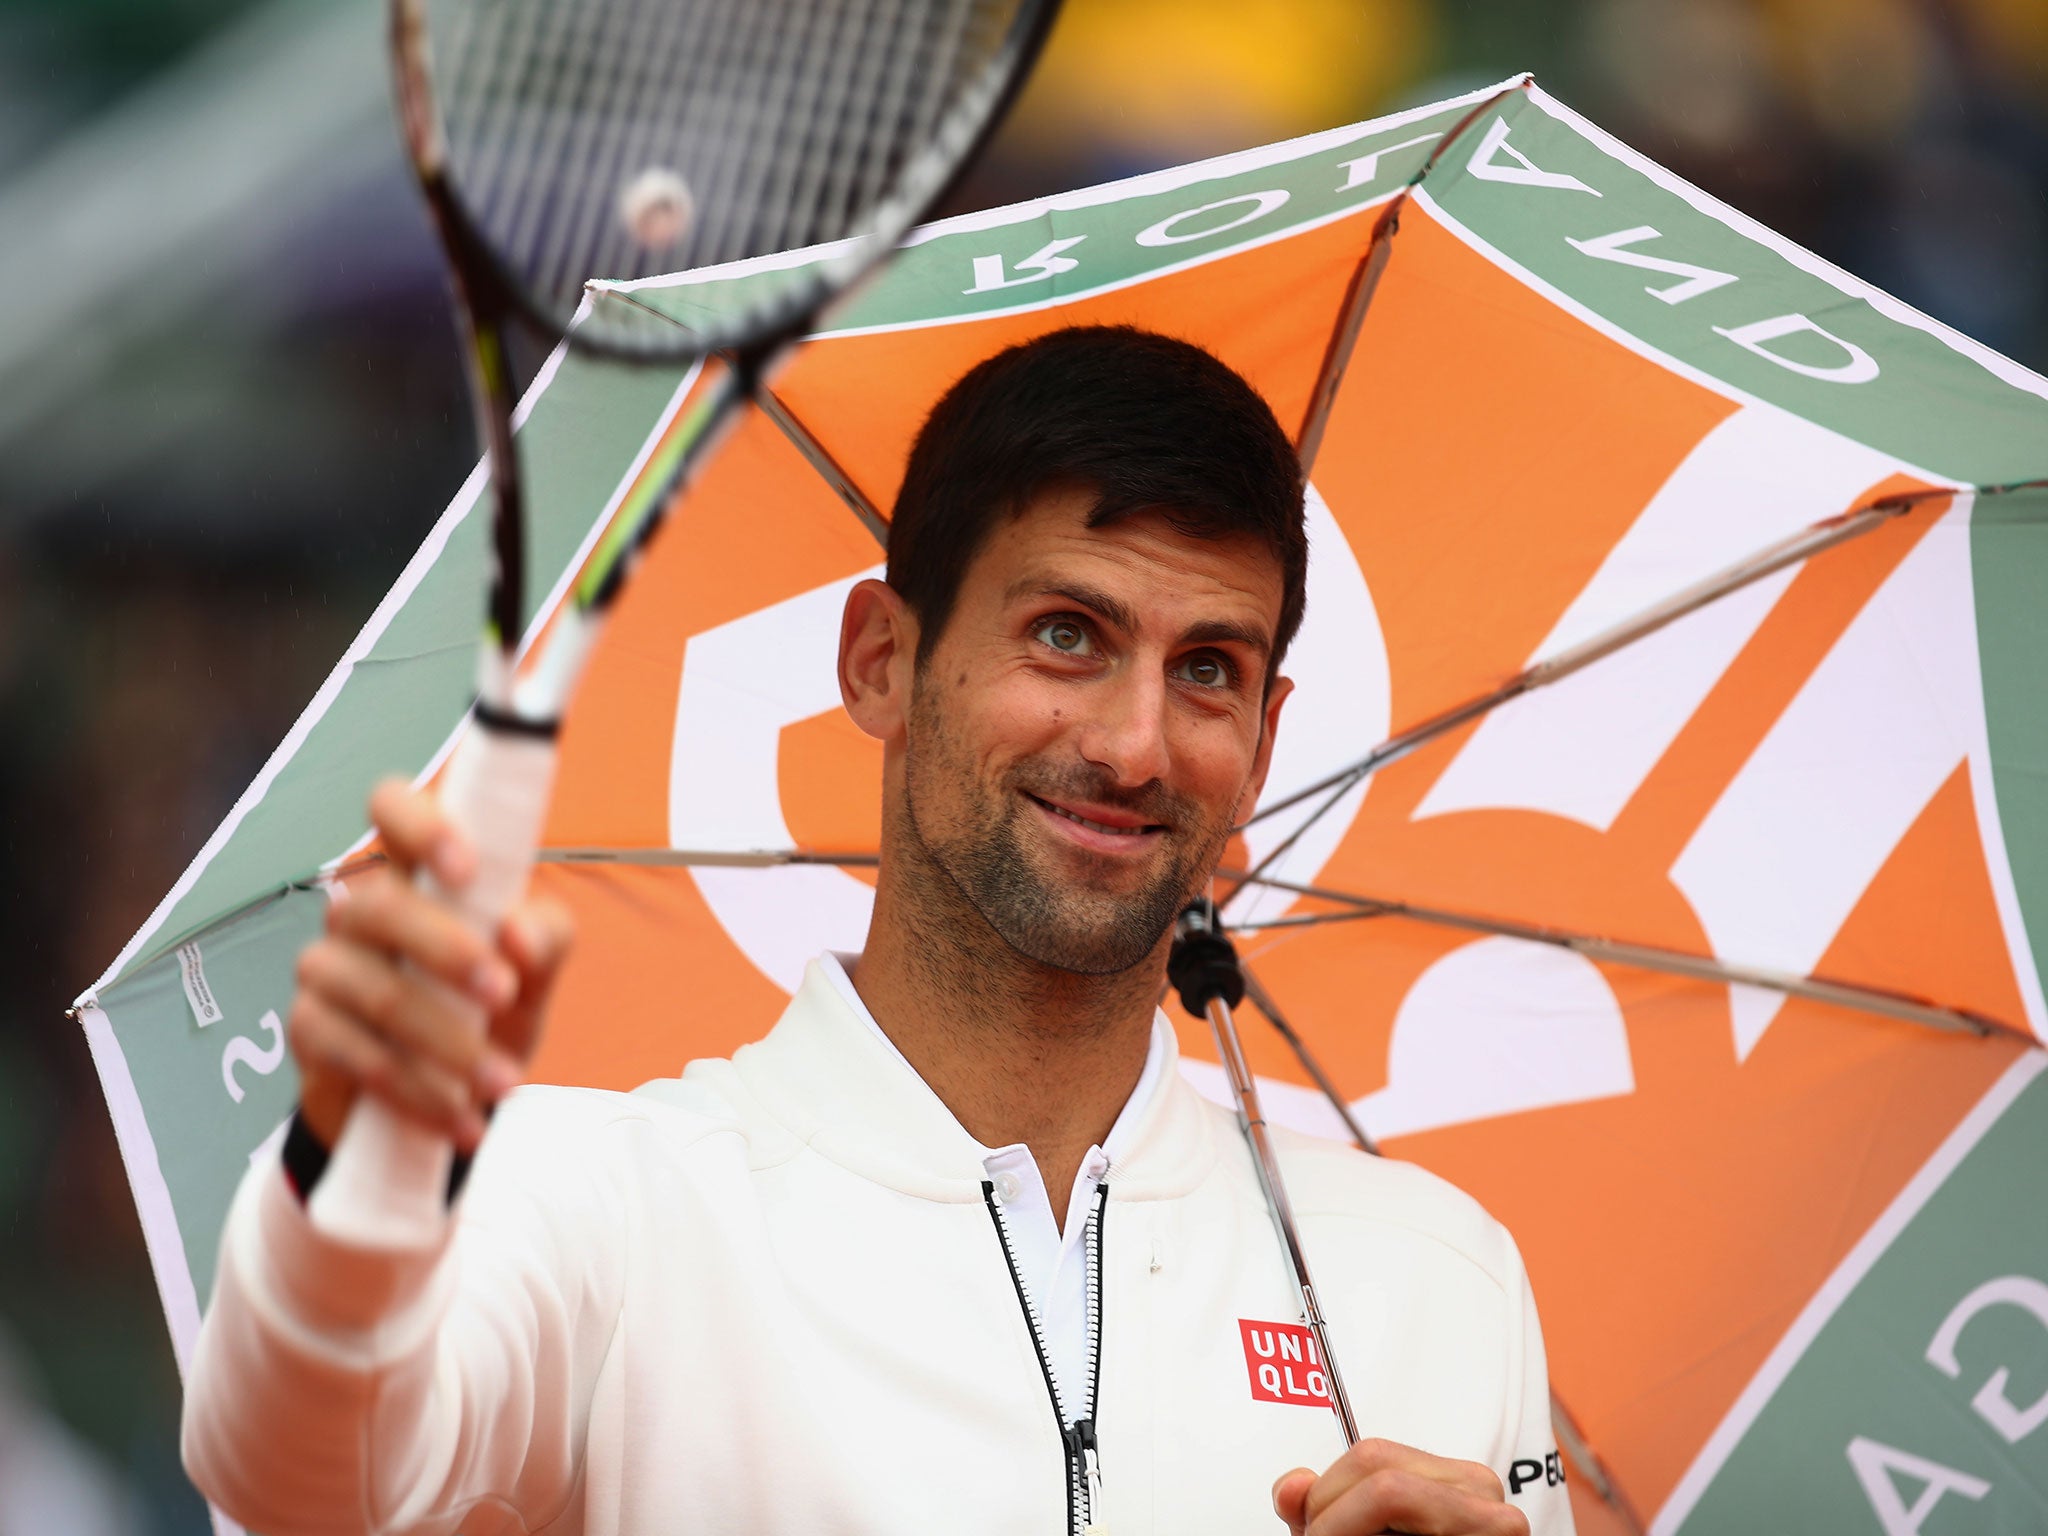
1283	1364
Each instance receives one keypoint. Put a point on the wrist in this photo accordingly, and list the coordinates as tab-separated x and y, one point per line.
307	1150
323	1107
304	1156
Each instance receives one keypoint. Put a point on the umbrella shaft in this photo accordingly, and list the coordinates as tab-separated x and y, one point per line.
1253	1119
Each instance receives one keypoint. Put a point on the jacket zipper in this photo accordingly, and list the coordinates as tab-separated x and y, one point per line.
1083	1460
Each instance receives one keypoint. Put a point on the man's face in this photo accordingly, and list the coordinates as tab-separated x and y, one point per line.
1092	722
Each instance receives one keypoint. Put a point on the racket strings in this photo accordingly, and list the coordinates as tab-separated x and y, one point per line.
578	234
740	126
785	190
817	179
805	131
626	138
552	210
902	68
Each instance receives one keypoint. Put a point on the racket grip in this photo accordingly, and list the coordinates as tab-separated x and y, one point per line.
386	1185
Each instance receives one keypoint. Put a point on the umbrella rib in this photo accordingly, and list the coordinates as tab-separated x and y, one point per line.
1803	545
1263	1001
1674	962
1573	1441
1339	787
1306	919
1365	282
712	858
822	461
599	292
1521	82
654	858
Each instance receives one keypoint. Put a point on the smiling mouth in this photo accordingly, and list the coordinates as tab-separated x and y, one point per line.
1094	826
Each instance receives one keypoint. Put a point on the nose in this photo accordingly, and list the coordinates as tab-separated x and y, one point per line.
1126	731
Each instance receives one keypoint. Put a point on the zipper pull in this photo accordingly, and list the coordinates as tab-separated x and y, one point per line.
1081	1436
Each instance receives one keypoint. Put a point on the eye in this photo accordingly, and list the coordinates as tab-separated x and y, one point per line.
1205	669
1067	636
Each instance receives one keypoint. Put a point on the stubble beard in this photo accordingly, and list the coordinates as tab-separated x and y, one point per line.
1043	917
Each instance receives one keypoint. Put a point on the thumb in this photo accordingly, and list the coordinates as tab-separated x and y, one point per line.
1290	1498
535	938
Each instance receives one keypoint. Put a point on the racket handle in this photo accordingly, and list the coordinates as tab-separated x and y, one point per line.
386	1186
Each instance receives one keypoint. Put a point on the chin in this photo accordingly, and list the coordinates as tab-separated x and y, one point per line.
1120	935
1084	959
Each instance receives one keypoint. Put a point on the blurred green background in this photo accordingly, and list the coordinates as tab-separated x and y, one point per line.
230	406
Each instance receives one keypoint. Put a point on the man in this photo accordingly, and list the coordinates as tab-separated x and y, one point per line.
954	1248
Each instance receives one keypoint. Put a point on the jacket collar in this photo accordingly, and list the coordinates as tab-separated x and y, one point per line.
842	1089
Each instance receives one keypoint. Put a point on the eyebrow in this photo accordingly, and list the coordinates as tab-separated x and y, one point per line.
1124	617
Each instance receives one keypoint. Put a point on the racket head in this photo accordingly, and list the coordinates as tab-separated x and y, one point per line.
561	141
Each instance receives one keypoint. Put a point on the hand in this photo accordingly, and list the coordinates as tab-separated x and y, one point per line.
1378	1486
380	999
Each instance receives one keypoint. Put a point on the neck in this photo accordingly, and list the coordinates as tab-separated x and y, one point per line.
1018	1051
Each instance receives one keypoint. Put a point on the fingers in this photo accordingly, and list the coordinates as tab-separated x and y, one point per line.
404	999
1370	1457
1380	1485
1414	1505
400	1008
535	937
365	1018
394	1000
1290	1498
416	834
392	916
333	1047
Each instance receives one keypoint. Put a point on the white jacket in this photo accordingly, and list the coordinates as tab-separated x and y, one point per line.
770	1297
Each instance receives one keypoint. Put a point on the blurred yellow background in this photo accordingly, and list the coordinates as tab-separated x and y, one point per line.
230	407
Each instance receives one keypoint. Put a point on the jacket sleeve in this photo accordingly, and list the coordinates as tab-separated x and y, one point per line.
339	1390
1529	1463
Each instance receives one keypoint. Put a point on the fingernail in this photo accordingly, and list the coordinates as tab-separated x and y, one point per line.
492	983
496	1076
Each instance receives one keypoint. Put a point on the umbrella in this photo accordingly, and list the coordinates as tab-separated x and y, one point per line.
1655	845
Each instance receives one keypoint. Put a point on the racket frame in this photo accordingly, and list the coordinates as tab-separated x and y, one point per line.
931	173
489	299
385	1187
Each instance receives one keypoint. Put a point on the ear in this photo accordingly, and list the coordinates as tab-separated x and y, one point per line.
1269	723
877	659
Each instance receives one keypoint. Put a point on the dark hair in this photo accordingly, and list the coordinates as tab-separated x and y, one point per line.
1148	423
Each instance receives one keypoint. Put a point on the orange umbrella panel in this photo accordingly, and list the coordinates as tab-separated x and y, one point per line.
1654	843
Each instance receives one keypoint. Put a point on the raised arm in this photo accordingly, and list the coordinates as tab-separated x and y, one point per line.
343	1389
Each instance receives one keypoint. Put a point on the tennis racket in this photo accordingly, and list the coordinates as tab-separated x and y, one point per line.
562	141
